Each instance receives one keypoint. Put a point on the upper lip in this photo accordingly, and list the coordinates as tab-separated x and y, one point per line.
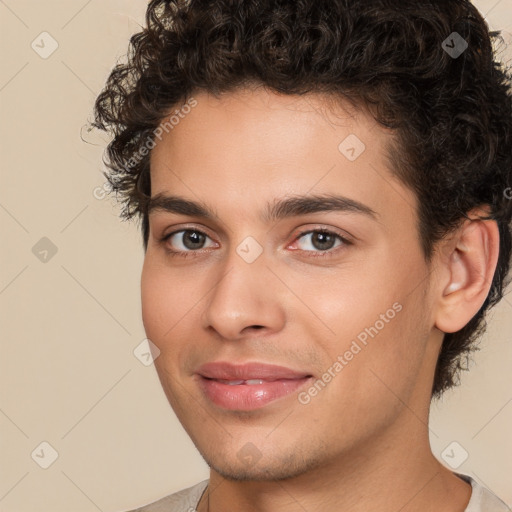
228	371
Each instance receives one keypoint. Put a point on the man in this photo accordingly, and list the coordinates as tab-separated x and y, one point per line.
323	195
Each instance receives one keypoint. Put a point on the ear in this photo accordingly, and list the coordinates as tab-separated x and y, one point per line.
468	265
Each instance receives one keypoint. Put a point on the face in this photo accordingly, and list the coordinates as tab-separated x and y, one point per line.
291	309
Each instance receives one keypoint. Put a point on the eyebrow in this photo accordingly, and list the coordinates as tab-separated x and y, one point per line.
276	210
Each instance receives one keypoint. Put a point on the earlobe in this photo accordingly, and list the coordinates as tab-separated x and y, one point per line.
469	269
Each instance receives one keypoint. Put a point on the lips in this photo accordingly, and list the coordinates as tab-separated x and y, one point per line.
248	386
248	371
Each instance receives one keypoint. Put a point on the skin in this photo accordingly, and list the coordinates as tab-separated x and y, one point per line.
362	442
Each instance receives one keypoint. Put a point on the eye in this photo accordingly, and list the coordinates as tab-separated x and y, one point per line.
185	241
321	240
189	242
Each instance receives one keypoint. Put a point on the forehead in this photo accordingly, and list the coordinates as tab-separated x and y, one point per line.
273	121
243	148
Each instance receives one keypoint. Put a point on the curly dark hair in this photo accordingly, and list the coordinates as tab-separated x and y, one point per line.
451	114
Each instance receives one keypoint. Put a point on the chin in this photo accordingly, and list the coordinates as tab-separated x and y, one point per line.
284	467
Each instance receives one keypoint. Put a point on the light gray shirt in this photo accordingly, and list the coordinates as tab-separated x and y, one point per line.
186	500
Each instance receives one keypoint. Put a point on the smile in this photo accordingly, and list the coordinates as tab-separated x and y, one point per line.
250	386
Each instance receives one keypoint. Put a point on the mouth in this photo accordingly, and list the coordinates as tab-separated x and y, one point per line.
250	386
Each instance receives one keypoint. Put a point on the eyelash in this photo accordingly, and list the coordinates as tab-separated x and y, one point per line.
319	254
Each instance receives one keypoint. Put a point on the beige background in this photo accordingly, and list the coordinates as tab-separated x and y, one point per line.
70	325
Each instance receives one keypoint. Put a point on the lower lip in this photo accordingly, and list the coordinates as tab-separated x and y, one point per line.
247	397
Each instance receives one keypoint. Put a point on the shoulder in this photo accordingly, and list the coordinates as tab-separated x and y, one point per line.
185	500
483	500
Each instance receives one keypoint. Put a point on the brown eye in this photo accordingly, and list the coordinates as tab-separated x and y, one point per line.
186	240
321	242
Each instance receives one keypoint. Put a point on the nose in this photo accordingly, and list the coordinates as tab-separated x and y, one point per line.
247	297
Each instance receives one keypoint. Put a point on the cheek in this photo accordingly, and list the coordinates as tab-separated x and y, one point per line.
171	308
379	329
391	361
377	377
163	307
158	301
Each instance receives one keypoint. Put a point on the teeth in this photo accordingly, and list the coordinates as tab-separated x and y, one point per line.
238	382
